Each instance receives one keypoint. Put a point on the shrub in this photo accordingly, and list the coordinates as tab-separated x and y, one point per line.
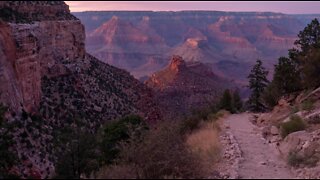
189	124
160	153
307	105
117	131
295	124
296	160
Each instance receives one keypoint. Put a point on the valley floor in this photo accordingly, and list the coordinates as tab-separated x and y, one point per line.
259	159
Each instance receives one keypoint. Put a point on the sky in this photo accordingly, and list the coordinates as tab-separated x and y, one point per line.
287	7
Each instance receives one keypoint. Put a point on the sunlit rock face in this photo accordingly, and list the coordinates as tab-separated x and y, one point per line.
183	86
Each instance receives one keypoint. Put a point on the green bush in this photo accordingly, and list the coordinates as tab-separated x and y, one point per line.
294	159
295	124
307	105
294	109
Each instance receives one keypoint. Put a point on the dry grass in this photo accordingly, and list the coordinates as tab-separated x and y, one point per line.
204	143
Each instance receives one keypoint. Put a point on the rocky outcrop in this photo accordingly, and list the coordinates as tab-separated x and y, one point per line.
29	11
278	114
182	87
39	49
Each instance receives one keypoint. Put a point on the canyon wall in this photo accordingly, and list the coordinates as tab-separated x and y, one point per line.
143	41
32	50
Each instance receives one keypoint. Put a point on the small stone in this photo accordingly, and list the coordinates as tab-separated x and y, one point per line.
263	163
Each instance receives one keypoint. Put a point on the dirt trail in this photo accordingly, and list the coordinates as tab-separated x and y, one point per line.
260	159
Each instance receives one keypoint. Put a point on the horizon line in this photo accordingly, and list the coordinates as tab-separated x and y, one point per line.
274	12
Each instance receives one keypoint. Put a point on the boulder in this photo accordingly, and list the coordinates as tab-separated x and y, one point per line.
294	142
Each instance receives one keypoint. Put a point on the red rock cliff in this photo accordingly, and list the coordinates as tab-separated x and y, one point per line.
30	51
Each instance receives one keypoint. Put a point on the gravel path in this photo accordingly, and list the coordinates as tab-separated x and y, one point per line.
259	159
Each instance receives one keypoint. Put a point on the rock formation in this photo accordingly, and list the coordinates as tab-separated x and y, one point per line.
185	86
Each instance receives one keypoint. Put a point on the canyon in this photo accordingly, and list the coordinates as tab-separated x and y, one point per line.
142	42
62	73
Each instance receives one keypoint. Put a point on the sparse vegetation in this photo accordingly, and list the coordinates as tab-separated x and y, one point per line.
307	105
295	124
296	160
160	153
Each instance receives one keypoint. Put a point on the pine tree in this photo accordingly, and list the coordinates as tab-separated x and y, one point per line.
308	38
306	54
237	102
257	83
311	69
226	101
286	76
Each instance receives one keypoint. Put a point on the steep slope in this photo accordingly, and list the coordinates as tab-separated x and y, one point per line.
48	81
182	87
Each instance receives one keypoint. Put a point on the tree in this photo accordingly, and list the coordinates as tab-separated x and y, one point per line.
286	76
257	83
306	54
80	155
286	80
271	95
311	69
308	38
226	101
237	102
